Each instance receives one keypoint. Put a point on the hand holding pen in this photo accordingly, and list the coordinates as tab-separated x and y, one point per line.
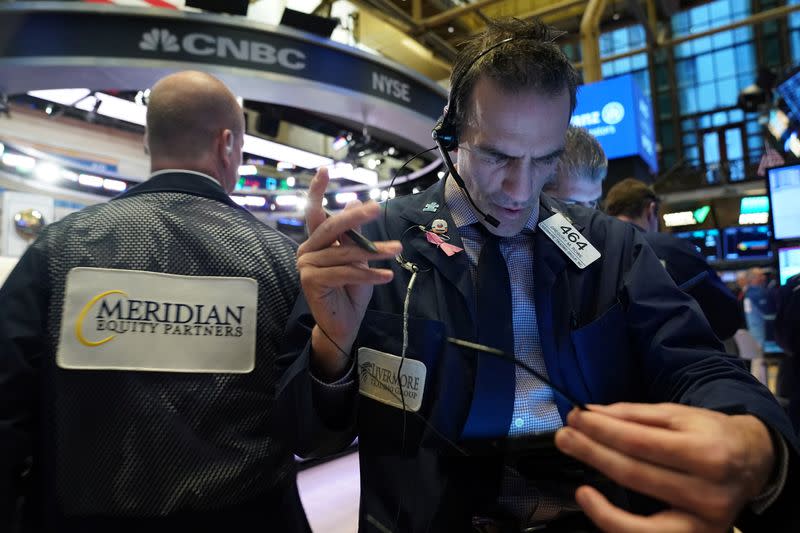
336	276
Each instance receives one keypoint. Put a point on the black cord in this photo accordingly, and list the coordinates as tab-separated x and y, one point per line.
391	184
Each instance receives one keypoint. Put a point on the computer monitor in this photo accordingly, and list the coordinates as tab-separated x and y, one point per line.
789	90
746	243
706	241
784	190
788	262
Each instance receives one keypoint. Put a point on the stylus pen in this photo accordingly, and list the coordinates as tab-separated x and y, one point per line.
361	241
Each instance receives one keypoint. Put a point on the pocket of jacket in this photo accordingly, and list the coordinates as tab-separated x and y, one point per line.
603	352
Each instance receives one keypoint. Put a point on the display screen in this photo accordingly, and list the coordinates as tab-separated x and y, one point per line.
620	117
788	263
746	242
784	187
790	92
706	242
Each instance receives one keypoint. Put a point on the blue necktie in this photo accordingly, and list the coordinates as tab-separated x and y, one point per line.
493	397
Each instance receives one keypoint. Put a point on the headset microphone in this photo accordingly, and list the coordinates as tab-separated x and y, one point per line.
446	136
460	181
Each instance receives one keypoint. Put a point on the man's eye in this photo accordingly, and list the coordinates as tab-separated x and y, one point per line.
494	159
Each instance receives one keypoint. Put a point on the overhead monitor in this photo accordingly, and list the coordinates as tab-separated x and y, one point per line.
754	210
789	90
784	190
788	263
746	243
706	241
615	111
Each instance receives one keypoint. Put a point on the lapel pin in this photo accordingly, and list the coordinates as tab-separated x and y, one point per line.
439	226
431	208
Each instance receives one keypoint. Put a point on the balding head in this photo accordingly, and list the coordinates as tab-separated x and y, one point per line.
192	119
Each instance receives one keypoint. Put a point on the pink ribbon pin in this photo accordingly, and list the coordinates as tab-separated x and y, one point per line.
440	243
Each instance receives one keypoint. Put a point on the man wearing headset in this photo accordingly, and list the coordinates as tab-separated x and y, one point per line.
448	433
137	346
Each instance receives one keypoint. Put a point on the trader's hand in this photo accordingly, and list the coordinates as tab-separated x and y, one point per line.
705	465
336	279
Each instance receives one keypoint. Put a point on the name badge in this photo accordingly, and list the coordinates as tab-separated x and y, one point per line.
572	243
147	321
378	379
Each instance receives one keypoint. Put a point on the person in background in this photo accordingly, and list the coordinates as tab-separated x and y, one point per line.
633	201
581	170
759	306
137	346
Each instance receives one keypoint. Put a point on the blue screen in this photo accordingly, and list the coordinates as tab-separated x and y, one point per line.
746	242
619	116
788	263
706	241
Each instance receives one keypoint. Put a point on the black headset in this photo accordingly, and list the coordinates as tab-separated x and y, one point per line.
445	134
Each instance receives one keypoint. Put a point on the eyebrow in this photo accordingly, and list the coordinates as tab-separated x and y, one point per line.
555	154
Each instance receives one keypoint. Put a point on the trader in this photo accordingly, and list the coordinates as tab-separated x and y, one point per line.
581	170
576	296
633	201
137	347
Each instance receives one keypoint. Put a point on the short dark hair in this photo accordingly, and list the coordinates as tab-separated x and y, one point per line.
583	157
531	60
630	197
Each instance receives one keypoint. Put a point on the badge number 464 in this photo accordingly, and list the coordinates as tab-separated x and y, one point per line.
574	237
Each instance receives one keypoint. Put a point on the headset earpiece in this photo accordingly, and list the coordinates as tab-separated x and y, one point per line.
444	134
229	146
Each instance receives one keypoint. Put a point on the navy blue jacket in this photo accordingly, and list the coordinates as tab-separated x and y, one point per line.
619	330
686	266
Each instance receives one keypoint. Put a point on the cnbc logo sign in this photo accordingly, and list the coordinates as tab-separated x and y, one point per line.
206	45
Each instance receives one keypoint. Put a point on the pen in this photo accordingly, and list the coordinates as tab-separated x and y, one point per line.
361	241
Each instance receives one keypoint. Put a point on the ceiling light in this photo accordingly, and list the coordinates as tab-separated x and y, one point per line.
69	175
114	185
343	198
61	96
22	163
248	170
255	201
391	192
384	196
367	177
90	181
47	172
375	194
281	152
340	171
291	181
286	200
283	165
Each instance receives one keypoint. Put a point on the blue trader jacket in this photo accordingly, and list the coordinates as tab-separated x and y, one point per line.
619	330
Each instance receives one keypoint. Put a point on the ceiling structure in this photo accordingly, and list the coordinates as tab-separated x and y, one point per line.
425	34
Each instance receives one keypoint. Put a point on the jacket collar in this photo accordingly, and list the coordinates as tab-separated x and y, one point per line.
183	182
